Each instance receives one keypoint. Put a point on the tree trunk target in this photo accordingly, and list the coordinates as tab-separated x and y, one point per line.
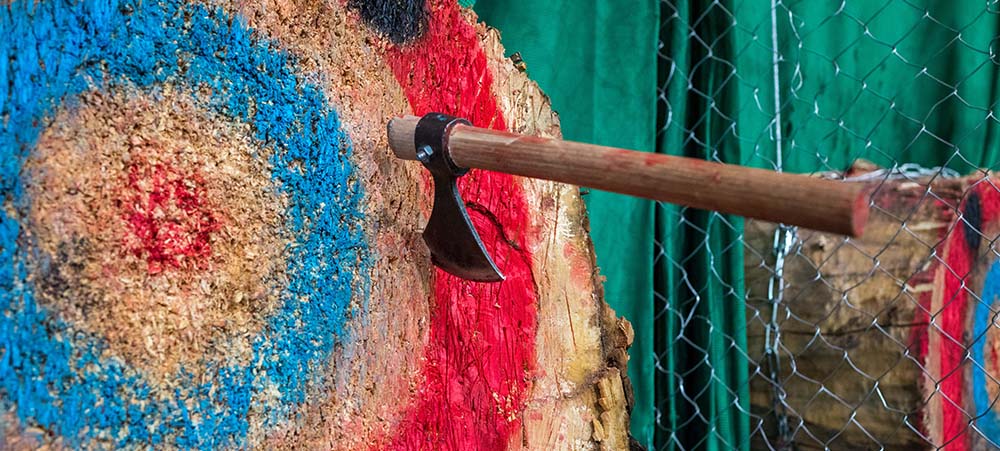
206	243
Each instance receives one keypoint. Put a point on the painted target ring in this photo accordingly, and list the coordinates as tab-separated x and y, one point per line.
986	363
959	350
71	380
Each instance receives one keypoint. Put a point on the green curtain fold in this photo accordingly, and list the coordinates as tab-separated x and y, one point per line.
703	392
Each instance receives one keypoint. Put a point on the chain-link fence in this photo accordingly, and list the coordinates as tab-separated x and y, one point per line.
769	337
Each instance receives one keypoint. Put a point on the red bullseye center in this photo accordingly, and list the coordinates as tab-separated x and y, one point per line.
169	223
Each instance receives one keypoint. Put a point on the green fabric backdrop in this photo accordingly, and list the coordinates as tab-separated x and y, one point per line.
876	80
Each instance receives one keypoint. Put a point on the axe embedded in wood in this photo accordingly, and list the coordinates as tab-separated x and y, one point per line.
448	146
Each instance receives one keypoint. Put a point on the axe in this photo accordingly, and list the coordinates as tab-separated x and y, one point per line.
449	146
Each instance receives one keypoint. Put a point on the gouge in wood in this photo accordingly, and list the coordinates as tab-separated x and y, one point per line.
448	146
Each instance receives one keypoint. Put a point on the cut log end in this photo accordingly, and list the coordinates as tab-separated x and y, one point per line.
401	132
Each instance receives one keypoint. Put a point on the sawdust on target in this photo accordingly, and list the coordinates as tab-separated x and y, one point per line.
158	228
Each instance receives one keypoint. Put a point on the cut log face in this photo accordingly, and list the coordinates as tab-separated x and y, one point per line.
205	241
886	341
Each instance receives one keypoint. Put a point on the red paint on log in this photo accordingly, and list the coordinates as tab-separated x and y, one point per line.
989	201
950	322
480	358
169	223
992	364
949	326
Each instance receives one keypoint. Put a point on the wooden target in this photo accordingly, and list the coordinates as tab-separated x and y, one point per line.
891	340
961	380
205	242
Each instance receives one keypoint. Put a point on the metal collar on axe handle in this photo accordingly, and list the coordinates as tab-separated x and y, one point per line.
448	146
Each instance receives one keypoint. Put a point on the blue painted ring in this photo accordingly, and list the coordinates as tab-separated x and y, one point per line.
56	377
987	408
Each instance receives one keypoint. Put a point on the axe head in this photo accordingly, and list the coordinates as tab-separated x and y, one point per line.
452	239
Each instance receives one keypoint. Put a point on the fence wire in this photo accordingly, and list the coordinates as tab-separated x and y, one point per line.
770	337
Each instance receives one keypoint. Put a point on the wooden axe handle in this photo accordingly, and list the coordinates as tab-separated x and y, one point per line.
795	199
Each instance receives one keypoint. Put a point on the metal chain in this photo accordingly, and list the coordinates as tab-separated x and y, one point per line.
785	238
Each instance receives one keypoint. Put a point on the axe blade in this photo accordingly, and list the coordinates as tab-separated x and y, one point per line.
452	239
